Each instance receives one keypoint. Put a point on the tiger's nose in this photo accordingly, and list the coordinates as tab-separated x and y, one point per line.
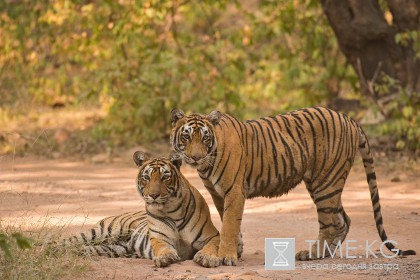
154	196
196	158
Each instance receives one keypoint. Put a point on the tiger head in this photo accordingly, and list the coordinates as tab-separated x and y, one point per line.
193	136
159	179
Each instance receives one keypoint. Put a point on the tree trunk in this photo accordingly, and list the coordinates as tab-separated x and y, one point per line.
368	41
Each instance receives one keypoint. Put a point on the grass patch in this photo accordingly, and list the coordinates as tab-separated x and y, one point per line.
31	253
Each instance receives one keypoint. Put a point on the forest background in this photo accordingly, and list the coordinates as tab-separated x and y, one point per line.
80	77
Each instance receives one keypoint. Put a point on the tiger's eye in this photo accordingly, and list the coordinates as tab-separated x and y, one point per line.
186	136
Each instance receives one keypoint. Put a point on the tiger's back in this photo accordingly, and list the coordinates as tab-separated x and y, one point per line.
309	145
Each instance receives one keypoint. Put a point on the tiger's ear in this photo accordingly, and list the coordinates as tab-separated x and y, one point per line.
176	115
214	117
176	159
139	158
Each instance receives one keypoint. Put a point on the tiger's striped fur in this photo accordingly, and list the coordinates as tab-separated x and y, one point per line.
175	226
268	157
125	235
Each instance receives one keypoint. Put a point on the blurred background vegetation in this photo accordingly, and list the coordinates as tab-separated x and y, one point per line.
86	76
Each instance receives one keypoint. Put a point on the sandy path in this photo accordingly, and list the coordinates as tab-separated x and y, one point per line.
81	193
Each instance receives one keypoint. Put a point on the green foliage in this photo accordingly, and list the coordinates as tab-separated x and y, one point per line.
403	114
140	59
410	38
7	241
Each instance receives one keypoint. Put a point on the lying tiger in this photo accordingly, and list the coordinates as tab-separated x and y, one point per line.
268	157
175	226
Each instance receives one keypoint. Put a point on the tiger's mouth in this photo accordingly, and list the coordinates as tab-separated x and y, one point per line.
155	205
193	163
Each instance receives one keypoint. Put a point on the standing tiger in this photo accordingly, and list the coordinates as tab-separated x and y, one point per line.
268	157
175	226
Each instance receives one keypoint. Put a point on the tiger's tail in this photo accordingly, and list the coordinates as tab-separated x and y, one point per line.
93	236
109	237
96	241
364	150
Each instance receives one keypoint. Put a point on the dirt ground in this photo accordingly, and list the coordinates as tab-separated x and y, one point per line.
81	193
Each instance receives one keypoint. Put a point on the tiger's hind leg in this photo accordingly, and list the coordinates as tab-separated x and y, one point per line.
334	224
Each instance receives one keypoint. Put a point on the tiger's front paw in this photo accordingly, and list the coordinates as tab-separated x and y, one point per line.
166	258
207	260
304	256
229	260
228	257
